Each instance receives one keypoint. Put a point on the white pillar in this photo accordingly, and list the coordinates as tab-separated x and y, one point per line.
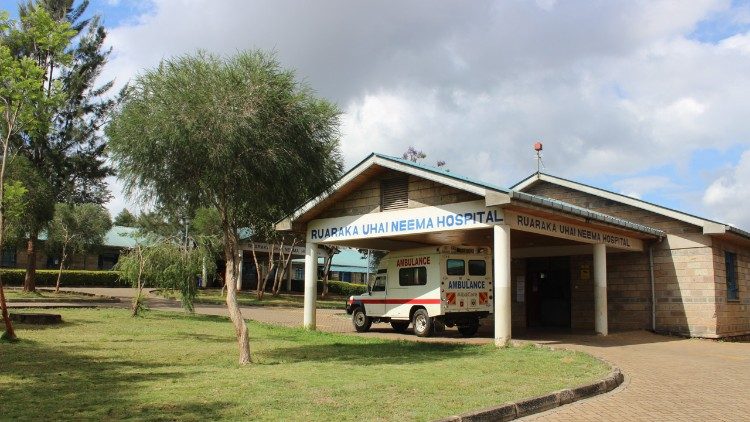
311	284
241	257
600	289
289	278
501	251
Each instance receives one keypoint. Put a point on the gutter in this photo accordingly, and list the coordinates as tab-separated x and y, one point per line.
583	212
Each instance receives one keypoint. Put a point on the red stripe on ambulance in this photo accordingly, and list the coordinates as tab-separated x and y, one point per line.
402	301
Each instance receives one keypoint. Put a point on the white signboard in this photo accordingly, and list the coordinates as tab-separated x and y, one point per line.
535	224
266	248
460	216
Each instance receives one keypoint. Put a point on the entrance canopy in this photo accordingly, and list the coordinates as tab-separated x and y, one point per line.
389	203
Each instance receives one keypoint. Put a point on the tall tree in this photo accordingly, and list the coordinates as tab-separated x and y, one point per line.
125	218
68	151
239	133
20	95
75	229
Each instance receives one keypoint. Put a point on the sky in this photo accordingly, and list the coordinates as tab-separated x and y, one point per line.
644	98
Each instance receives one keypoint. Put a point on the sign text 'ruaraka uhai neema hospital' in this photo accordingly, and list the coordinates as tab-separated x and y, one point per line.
464	216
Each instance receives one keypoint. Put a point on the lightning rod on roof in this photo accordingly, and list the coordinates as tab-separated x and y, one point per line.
539	164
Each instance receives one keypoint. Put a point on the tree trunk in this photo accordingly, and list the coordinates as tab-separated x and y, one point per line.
63	255
59	272
10	334
326	271
240	327
29	282
258	272
138	296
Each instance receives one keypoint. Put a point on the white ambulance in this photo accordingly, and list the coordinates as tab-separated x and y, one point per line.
431	288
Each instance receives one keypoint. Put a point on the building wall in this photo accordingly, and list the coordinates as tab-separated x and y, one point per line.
73	262
733	317
684	271
421	193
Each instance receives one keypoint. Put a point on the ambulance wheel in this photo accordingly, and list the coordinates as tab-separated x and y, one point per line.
468	330
422	323
438	326
399	326
360	320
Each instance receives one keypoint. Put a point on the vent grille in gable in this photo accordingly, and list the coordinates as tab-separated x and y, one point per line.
394	194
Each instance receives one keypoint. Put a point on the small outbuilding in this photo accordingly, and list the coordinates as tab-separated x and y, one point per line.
565	254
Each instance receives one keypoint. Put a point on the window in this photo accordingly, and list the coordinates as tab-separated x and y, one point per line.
379	285
455	267
9	257
108	260
299	273
477	267
53	261
733	289
394	194
414	276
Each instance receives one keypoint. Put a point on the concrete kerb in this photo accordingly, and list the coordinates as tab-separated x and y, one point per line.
525	407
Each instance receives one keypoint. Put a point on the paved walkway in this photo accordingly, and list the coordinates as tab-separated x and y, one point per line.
667	378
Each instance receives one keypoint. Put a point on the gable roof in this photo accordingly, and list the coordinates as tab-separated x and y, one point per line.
709	226
494	195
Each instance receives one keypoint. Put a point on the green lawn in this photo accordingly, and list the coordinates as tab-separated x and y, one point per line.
17	295
101	364
250	299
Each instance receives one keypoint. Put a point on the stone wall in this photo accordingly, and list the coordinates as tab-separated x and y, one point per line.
683	271
733	316
421	193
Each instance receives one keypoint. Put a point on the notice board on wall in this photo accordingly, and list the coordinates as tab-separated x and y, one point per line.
520	289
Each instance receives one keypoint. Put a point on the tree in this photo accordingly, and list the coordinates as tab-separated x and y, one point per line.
416	156
76	228
165	264
327	263
20	94
125	218
68	150
238	133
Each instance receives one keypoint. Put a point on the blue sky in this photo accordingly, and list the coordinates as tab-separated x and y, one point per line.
642	98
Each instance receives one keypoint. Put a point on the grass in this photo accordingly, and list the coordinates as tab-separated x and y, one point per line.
18	295
215	297
103	364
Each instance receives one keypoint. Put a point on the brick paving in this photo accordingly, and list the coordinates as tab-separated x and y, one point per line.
667	378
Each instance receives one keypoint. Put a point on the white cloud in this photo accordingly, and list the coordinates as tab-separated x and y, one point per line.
637	187
611	88
728	197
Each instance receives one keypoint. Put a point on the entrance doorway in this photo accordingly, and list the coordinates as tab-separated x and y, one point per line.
548	292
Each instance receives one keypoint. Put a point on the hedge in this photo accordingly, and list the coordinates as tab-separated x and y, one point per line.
70	278
341	288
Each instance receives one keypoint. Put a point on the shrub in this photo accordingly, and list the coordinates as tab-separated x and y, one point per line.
342	288
70	278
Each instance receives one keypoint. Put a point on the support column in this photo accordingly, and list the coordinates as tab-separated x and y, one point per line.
600	289
311	284
501	271
241	256
289	278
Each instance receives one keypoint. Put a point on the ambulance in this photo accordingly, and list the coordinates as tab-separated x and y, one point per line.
430	288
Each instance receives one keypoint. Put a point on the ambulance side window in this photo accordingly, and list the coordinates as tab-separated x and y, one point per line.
477	267
414	276
379	284
455	267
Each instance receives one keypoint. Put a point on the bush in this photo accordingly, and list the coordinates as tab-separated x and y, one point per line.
341	288
70	278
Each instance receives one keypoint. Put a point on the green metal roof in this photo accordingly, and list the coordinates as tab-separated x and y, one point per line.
121	237
438	170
